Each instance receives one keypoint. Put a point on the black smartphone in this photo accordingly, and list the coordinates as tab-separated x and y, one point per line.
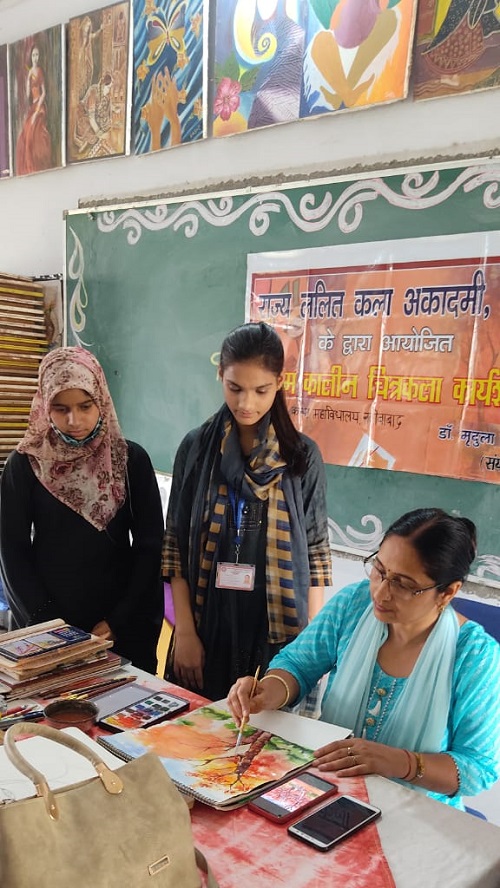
334	822
290	798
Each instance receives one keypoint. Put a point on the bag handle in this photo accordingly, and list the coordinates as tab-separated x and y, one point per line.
204	866
111	782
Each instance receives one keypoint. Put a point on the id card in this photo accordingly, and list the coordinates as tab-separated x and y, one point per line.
235	576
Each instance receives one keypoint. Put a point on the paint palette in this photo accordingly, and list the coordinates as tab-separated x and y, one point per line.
144	713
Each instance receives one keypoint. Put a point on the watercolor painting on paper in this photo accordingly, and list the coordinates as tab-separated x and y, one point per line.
199	752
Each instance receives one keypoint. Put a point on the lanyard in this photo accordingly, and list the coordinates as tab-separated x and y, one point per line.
237	506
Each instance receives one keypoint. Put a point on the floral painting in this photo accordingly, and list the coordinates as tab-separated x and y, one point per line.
278	60
259	50
169	63
457	47
4	115
200	754
37	101
98	69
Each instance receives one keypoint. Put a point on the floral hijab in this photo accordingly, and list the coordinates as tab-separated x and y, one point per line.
88	479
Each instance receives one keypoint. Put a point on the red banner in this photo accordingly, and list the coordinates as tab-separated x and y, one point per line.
393	366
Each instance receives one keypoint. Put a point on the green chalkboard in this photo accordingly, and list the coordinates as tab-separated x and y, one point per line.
153	288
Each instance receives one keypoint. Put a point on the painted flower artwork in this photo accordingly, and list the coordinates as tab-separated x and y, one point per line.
286	59
227	99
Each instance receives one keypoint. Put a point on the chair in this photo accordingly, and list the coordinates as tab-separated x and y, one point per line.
476	813
166	631
488	615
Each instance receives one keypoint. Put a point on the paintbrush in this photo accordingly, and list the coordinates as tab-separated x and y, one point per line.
244	720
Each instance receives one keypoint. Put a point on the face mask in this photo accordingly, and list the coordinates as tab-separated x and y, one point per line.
78	442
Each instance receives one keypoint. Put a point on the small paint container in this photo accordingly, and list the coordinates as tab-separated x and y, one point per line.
71	714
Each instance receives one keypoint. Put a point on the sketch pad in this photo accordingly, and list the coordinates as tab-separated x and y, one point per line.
199	752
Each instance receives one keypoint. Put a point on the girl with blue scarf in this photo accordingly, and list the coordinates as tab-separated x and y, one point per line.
415	681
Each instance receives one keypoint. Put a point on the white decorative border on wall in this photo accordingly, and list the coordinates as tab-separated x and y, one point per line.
418	192
79	297
486	567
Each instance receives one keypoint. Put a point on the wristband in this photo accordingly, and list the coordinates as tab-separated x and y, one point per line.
283	682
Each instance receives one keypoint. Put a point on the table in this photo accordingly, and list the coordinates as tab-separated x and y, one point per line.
425	843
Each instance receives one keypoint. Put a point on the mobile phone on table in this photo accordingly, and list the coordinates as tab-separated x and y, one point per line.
334	822
286	801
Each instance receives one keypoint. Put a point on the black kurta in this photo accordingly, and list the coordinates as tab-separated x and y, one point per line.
234	624
71	570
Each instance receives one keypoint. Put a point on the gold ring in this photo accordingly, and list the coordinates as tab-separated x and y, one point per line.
356	760
349	750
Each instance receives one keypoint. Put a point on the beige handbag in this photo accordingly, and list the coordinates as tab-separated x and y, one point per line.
128	828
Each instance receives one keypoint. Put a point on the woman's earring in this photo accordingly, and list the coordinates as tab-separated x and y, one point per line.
441	607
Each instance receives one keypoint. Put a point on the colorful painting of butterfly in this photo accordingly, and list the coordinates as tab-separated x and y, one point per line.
169	63
167	31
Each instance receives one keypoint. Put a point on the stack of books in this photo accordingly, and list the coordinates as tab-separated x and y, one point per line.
52	658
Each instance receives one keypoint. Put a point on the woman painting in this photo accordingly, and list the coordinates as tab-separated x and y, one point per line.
34	146
416	681
246	547
93	503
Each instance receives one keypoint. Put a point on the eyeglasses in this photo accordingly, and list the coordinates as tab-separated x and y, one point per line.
397	587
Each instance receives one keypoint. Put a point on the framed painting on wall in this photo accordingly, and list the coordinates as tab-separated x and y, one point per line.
5	168
169	73
280	61
457	47
98	84
36	73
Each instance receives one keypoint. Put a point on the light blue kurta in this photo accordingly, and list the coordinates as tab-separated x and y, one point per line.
472	736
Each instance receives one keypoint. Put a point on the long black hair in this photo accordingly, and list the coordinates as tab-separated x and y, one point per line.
259	342
445	544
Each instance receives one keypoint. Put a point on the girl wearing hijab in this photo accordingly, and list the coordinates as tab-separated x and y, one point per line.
80	515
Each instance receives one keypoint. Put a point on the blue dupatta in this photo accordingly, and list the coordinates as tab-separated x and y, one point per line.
419	716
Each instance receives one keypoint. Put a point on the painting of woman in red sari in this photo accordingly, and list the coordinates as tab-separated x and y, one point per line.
36	85
34	147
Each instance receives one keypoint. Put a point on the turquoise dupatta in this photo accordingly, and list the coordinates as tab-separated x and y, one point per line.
419	716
